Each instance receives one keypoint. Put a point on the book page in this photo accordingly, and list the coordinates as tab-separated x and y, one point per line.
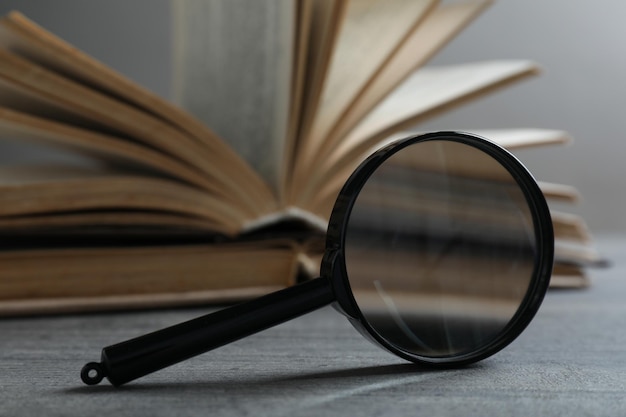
435	30
438	28
320	25
371	32
432	90
304	20
426	93
34	44
521	138
569	276
25	38
37	190
559	192
121	224
102	147
233	63
579	253
38	86
570	226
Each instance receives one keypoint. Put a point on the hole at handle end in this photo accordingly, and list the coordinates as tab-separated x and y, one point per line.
92	373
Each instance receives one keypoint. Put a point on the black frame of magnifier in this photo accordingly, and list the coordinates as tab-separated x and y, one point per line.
132	359
334	265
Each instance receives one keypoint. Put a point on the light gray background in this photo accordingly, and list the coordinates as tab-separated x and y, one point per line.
578	44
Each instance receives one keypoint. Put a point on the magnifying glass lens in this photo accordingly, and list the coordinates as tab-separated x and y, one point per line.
440	249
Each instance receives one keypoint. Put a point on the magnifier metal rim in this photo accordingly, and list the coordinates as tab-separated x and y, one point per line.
334	266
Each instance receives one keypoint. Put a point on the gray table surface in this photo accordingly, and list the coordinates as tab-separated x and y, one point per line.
570	361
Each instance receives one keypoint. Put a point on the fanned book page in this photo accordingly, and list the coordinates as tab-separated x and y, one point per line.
27	190
376	26
421	42
433	90
424	94
102	112
234	74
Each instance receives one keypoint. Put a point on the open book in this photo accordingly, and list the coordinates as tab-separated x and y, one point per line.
230	197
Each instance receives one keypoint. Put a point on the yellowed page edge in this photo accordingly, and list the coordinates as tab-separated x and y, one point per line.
20	126
26	190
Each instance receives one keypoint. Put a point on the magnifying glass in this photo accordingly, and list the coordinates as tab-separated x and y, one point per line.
439	249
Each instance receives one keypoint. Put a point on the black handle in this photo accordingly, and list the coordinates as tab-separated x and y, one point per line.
137	357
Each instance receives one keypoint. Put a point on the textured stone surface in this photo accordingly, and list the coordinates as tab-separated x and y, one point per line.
570	361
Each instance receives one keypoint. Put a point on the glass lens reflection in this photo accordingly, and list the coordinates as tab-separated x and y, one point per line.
440	249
